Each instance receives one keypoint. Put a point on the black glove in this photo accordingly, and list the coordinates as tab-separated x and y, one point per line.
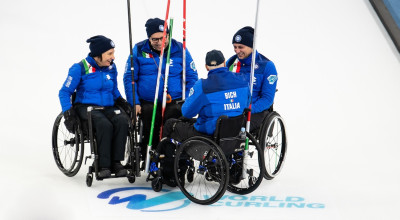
122	103
71	120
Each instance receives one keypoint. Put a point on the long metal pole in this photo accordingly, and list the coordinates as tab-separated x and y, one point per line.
133	116
157	90
253	60
184	53
164	101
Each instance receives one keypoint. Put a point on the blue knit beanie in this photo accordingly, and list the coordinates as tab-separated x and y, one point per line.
244	36
99	44
154	25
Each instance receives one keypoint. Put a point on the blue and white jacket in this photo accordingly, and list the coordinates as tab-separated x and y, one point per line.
265	79
146	62
222	93
93	84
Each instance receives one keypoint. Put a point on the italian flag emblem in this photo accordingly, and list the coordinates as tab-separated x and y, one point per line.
88	68
235	67
147	55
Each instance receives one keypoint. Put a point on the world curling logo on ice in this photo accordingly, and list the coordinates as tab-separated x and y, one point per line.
146	200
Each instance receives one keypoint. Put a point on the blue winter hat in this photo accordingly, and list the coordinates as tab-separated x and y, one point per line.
154	25
244	36
99	44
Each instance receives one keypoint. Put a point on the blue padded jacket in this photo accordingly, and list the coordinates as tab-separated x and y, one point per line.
146	62
222	93
93	84
265	79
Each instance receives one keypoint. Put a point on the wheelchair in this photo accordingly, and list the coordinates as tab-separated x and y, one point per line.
205	167
273	141
68	148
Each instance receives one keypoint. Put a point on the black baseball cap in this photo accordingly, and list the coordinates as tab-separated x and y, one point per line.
214	58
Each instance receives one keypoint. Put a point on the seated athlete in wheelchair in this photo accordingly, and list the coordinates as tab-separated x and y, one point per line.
93	115
198	166
266	124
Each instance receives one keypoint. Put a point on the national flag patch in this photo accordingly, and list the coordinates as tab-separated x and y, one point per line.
88	68
235	67
147	55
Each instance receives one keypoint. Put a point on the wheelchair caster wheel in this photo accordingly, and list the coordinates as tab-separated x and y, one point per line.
252	181
156	185
89	180
131	179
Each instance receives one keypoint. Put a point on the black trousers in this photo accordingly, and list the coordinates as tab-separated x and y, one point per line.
257	119
172	110
111	133
180	130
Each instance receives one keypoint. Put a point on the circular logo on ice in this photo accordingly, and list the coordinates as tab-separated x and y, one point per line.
238	38
145	199
161	27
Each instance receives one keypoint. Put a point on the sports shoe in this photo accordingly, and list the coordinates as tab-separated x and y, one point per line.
104	173
118	169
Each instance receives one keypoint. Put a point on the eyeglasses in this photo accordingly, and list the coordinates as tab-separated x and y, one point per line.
157	39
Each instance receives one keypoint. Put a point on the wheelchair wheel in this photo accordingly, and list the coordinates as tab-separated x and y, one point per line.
274	144
201	170
67	147
254	168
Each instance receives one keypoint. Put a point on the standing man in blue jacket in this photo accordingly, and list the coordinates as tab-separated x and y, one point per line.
222	93
95	81
146	59
265	75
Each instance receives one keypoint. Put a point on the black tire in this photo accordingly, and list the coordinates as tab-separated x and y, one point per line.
156	184
89	180
254	164
274	144
207	184
131	179
67	147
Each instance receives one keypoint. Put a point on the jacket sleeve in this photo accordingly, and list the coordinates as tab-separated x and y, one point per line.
69	86
268	89
191	72
193	103
116	92
128	77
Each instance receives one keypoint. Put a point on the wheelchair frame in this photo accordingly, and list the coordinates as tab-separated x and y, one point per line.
72	144
207	164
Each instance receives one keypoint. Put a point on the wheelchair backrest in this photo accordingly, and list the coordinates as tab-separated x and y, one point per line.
227	133
229	126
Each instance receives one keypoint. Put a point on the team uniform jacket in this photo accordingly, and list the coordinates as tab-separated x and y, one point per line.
222	93
265	79
146	62
94	85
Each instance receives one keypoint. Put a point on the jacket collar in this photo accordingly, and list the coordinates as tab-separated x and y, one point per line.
93	63
218	70
247	60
